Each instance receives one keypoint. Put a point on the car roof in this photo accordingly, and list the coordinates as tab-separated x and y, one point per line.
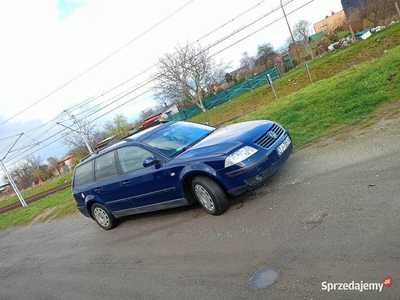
146	132
137	136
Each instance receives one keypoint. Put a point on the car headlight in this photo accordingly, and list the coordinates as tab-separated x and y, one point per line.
239	155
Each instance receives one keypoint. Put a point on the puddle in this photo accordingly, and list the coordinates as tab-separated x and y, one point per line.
265	278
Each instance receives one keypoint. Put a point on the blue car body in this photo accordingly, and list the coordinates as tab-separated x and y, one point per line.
236	157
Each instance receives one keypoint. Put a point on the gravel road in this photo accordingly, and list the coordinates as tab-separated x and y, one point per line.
331	215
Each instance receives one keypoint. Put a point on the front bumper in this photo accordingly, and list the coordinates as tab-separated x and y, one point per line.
258	172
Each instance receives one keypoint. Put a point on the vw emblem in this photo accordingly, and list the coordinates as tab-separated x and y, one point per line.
272	135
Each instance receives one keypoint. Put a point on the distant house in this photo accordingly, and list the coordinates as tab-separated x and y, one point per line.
65	164
330	23
161	113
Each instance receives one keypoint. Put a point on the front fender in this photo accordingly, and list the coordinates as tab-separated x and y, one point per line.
198	169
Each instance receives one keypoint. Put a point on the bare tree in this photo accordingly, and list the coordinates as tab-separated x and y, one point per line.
185	74
265	55
145	113
29	171
248	62
22	175
34	162
301	33
52	165
377	12
369	13
72	137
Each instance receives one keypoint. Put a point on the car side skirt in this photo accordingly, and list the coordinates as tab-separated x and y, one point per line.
153	207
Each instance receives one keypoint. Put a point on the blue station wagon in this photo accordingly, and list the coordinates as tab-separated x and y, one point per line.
175	164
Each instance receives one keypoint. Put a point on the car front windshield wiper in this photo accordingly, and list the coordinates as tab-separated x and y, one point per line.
180	150
183	149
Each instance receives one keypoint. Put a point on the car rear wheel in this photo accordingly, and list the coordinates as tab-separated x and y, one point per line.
103	217
210	195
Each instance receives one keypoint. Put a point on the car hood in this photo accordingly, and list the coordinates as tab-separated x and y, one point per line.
228	138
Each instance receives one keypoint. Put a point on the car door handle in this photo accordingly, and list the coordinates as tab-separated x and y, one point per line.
126	183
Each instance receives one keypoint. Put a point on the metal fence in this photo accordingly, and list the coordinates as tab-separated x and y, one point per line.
228	94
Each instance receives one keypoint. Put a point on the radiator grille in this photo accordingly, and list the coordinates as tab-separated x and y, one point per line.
270	137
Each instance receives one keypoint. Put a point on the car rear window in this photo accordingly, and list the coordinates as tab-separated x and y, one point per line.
105	166
83	174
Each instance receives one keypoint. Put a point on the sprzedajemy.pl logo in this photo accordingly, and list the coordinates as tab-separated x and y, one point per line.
356	286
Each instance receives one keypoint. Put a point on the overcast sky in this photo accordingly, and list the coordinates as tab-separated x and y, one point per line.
91	57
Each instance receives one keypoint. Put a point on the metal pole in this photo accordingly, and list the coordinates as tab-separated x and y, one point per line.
21	199
86	142
308	71
291	34
273	90
80	131
269	80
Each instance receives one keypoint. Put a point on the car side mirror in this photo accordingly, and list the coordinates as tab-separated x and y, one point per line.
150	161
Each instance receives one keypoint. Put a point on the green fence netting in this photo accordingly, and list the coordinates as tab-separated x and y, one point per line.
228	94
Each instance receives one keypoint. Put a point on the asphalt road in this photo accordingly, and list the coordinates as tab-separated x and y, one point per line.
331	215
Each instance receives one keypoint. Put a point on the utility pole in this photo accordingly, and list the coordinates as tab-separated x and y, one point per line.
291	34
397	7
16	190
21	199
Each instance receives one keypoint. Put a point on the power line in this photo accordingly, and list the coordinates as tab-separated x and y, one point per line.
98	63
207	48
148	69
146	82
102	94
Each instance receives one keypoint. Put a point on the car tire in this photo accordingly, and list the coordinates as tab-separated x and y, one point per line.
103	217
210	195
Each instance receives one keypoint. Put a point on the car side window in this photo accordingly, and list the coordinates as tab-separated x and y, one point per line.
131	158
105	166
83	174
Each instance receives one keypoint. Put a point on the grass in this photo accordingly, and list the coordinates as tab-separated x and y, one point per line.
39	188
57	205
332	64
342	100
350	85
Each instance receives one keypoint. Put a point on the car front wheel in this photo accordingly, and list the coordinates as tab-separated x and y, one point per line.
103	217
210	195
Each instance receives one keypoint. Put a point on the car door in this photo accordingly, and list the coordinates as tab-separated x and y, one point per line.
149	186
108	188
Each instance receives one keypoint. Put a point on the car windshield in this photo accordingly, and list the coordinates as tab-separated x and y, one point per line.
178	137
